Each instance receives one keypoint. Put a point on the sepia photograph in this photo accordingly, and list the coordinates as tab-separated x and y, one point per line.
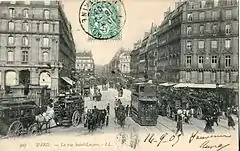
119	75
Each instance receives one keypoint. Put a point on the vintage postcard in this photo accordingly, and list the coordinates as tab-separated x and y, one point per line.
119	75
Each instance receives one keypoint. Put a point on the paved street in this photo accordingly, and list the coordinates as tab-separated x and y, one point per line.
164	124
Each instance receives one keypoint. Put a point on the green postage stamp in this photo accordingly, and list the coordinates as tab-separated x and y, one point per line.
102	19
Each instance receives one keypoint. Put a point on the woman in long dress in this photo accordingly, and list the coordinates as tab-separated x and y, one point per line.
231	122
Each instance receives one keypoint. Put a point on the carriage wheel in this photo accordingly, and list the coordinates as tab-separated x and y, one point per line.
33	129
199	113
76	118
168	110
15	129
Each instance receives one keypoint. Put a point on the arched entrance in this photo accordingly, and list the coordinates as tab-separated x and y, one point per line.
24	77
10	78
45	79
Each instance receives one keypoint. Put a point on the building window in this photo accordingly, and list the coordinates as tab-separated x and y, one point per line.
215	3
188	61
45	57
229	2
10	40
10	56
214	77
45	42
25	26
227	43
38	27
202	3
11	26
191	5
189	30
200	76
201	28
214	29
27	2
53	25
25	13
200	59
11	12
45	27
189	45
12	1
24	56
227	61
228	76
25	41
201	44
228	14
46	14
227	29
215	15
201	15
189	16
213	61
47	2
214	44
188	75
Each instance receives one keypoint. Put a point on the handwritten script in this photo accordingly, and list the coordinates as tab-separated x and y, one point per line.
207	143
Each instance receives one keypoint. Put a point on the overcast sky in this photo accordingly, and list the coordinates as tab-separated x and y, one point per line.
140	14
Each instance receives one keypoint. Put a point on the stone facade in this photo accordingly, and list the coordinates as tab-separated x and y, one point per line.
36	44
85	62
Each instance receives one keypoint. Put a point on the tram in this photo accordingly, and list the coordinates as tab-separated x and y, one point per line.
143	108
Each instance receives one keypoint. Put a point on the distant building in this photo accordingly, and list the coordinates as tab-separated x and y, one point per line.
120	63
124	62
36	44
85	63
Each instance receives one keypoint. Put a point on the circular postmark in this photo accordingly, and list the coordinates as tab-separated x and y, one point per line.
102	19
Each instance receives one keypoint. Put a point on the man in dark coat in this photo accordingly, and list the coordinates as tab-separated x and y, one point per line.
108	108
179	124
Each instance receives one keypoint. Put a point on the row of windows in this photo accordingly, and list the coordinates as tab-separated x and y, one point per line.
214	61
25	41
25	13
213	75
28	2
215	14
215	3
83	61
25	56
214	44
85	65
26	26
214	29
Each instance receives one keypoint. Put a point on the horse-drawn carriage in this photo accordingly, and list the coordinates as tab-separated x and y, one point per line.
69	110
97	95
18	117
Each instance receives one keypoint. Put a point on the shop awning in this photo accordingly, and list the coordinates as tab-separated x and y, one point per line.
68	80
167	84
193	85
